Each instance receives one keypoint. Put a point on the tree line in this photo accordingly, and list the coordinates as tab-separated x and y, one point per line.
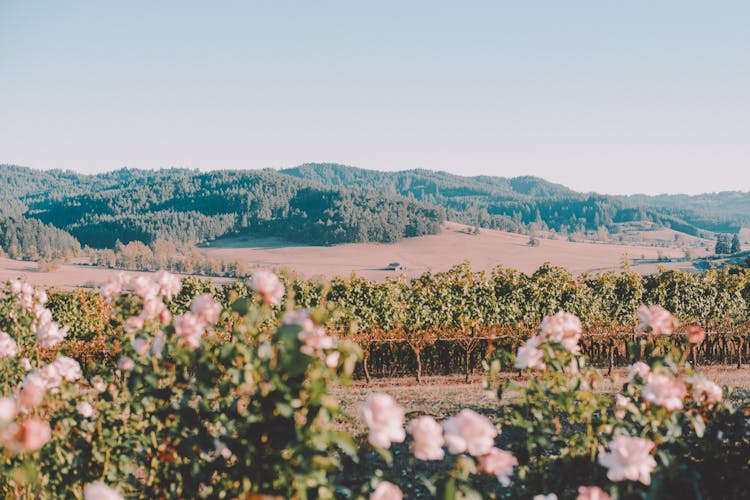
188	207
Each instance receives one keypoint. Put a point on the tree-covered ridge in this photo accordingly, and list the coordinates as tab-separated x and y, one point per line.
733	205
186	207
513	203
22	238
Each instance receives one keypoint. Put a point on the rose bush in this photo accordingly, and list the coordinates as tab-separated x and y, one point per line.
188	390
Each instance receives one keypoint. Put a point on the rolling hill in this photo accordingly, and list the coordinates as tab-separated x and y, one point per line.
320	204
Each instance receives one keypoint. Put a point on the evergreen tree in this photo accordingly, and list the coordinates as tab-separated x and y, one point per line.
722	244
736	244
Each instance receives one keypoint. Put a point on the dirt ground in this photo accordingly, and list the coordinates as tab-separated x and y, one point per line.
443	396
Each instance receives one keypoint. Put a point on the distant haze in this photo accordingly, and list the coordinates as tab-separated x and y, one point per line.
613	97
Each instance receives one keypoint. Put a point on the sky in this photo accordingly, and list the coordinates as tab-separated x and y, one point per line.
607	96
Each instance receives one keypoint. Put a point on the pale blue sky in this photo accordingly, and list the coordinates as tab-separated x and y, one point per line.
612	96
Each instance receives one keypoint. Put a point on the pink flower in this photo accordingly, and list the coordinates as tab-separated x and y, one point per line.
125	364
189	328
629	458
663	390
42	315
8	346
621	405
8	409
32	391
268	285
592	493
313	336
695	334
134	323
154	308
169	284
704	390
207	308
158	345
85	409
140	345
530	356
332	359
50	334
144	287
67	368
98	384
31	435
384	418
640	369
428	438
25	364
100	491
498	463
25	294
114	286
53	374
655	319
469	432
563	328
387	491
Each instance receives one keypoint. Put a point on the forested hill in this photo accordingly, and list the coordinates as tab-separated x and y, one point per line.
185	206
734	205
514	203
52	212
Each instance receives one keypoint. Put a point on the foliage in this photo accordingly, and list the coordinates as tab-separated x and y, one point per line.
187	207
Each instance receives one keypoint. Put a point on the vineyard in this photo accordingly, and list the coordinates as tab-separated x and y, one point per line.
452	322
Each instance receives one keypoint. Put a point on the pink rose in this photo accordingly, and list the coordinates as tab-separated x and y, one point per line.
31	435
695	334
498	463
629	458
268	285
85	409
592	493
384	418
50	334
428	438
145	287
663	390
563	328
621	405
114	286
530	356
189	328
100	491
469	432
705	391
154	308
387	491
640	369
332	359
169	284
32	391
8	346
206	308
656	320
134	323
125	364
8	409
